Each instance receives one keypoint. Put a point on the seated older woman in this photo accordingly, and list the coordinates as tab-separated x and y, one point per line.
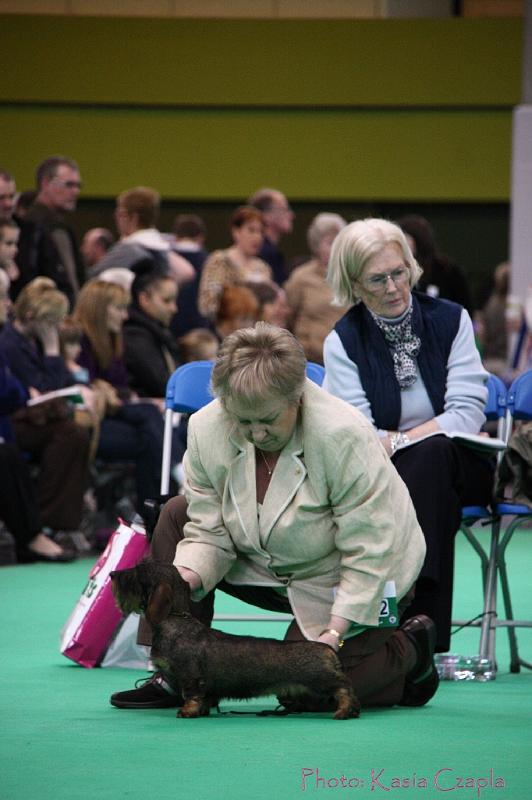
292	505
409	363
310	299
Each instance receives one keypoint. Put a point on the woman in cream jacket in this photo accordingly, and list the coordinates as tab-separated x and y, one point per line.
291	503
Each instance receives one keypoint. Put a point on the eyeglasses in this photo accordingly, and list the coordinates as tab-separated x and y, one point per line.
69	184
378	283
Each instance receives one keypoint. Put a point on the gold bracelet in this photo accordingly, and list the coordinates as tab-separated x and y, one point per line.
334	633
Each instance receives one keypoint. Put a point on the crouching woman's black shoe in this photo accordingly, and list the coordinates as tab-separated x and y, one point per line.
422	681
153	692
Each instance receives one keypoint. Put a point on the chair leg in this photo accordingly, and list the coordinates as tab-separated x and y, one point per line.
477	547
487	628
515	660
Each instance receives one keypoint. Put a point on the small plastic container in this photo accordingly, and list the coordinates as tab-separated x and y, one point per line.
453	667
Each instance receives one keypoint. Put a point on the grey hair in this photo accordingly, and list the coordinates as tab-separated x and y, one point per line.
352	249
323	225
254	363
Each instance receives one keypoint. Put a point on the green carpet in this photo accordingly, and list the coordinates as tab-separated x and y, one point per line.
62	740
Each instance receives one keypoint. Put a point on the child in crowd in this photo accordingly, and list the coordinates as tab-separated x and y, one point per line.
199	344
70	335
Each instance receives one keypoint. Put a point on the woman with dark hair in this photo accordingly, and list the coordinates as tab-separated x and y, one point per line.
237	265
130	431
150	350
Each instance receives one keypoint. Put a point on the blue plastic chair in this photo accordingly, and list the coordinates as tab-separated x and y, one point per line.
315	372
518	407
516	403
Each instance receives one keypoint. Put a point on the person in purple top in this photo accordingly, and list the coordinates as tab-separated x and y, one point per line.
131	430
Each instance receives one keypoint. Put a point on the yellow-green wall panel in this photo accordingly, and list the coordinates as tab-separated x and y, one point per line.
238	62
206	154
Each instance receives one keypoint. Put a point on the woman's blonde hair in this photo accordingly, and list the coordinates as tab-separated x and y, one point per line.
41	299
254	363
352	249
90	313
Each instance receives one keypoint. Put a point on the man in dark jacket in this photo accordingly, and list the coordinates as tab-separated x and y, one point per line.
47	244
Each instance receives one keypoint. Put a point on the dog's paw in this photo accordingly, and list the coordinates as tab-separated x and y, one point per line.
350	713
194	708
190	709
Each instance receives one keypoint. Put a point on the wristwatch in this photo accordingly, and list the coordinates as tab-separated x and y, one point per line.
397	439
334	633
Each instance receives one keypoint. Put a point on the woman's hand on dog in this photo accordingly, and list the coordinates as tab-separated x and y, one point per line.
191	577
331	640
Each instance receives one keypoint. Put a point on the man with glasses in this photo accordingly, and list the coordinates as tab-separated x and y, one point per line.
278	220
48	245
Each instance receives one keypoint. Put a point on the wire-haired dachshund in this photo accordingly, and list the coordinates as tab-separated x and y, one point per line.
209	665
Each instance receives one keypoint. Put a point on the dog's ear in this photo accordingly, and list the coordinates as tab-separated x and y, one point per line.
159	604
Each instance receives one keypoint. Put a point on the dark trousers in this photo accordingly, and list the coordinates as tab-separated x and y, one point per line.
135	433
441	477
18	504
376	661
62	450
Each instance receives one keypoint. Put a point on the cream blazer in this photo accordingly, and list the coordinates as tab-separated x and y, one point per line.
336	523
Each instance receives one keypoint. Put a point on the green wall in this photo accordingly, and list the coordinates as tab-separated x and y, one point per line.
380	110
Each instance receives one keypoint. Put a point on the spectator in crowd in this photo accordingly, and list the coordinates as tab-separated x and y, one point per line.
150	351
235	266
273	307
48	245
312	313
409	363
8	192
95	244
131	430
239	308
23	203
18	503
9	234
198	344
136	215
190	233
278	220
70	336
441	276
491	324
30	345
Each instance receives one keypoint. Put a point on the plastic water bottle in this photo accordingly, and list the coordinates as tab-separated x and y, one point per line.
452	667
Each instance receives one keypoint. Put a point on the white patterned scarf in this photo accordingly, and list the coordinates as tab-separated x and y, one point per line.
404	345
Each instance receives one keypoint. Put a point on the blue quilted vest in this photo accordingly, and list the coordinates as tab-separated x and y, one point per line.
436	322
